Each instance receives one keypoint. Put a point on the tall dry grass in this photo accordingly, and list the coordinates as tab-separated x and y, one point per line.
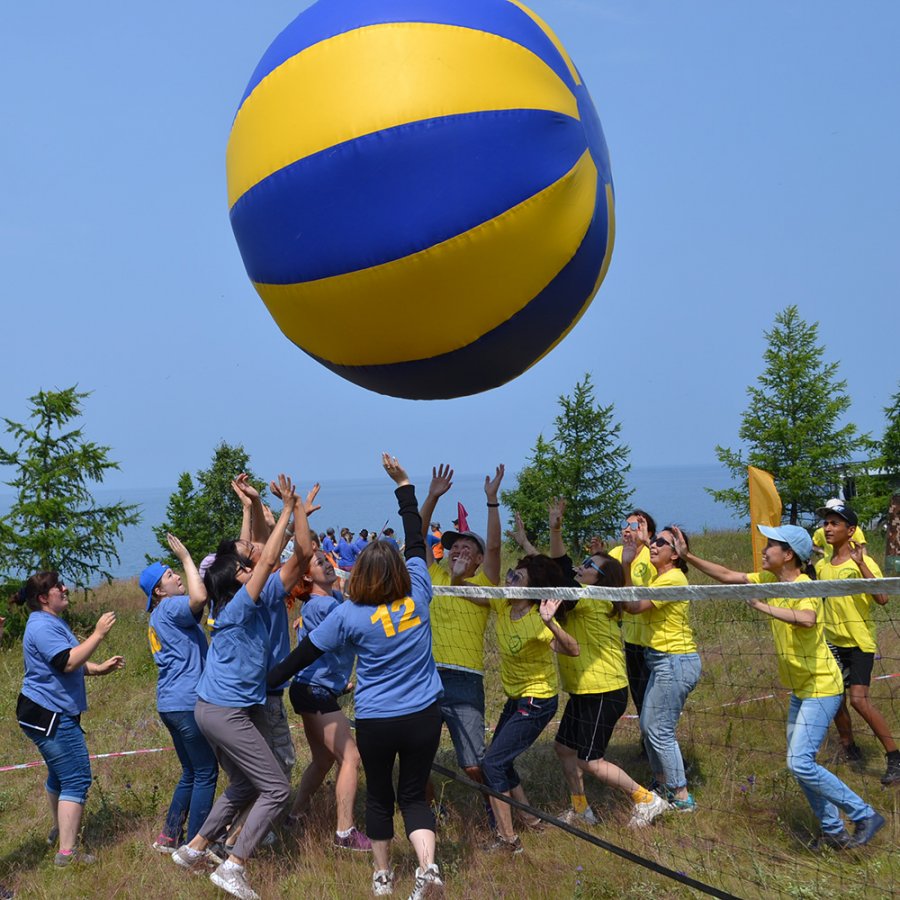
747	837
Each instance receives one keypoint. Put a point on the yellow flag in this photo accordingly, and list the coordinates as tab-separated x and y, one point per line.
765	509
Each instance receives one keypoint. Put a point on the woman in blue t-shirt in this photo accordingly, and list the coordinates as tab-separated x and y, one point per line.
53	698
314	695
178	645
231	695
387	625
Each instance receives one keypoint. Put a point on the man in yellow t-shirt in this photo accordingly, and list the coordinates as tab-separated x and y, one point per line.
458	626
850	632
821	546
638	524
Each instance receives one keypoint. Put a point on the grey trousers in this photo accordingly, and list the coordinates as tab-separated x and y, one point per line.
254	775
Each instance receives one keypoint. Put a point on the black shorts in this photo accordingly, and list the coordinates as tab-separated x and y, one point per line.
312	698
855	665
588	721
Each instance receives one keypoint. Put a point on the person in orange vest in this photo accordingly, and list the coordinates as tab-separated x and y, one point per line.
434	542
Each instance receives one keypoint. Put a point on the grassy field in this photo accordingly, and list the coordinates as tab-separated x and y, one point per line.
748	836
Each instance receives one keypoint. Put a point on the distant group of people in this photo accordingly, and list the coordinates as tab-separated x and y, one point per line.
415	659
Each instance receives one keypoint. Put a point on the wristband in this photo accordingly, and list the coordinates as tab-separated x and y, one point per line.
492	505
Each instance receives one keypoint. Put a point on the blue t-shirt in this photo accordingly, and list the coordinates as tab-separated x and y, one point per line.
431	540
390	540
46	636
237	662
345	554
395	671
178	644
327	545
271	599
359	545
332	670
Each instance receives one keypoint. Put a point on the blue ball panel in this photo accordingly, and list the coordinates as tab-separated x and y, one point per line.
385	196
587	112
328	18
509	349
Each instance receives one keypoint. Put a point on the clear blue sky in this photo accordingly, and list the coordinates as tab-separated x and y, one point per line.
755	152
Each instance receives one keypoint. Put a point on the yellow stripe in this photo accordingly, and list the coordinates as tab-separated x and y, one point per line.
549	32
379	77
610	240
447	296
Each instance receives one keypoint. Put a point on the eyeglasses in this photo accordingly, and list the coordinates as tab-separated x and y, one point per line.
513	576
662	542
590	564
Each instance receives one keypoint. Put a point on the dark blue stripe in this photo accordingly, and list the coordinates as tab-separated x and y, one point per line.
384	196
587	112
509	349
328	18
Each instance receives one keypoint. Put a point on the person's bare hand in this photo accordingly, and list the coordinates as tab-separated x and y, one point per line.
492	485
104	623
395	471
441	480
555	512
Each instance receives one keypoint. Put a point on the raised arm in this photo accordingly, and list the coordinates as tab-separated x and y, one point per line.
272	550
491	564
519	535
79	656
413	530
721	574
259	528
562	642
858	555
555	512
293	570
196	587
441	482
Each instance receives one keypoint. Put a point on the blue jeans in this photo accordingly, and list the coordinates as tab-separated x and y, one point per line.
808	722
68	762
521	723
672	677
199	773
462	707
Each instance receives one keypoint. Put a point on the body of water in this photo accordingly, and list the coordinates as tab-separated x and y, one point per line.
670	494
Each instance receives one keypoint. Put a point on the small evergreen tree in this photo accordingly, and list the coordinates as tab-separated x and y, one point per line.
54	522
790	427
879	479
204	509
584	463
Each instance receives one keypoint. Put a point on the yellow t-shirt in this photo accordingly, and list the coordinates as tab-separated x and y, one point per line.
634	628
805	664
818	539
667	623
457	624
848	620
526	660
600	666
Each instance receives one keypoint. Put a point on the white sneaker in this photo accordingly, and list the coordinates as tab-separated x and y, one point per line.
643	814
428	884
383	882
230	877
186	857
570	817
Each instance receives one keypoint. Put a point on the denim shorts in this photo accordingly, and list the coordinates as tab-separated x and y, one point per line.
67	759
462	708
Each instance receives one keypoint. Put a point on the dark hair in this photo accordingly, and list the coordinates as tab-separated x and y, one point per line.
379	575
679	563
613	573
651	522
329	531
38	585
543	571
221	579
363	532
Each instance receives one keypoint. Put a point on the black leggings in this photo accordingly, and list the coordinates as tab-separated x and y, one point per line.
414	738
638	673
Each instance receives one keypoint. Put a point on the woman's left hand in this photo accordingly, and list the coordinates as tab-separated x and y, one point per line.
548	610
396	472
492	485
310	505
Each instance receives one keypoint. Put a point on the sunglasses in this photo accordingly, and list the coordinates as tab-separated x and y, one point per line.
590	564
661	542
513	576
630	526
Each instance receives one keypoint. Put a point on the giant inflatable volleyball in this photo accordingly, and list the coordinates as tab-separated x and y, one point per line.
420	191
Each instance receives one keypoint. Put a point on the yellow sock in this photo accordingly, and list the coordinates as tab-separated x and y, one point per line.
579	803
642	795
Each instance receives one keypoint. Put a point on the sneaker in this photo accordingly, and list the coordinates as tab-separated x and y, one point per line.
662	790
866	829
892	775
187	857
570	817
52	836
838	841
230	877
164	844
501	845
212	856
643	814
686	805
79	858
383	882
356	840
428	884
852	753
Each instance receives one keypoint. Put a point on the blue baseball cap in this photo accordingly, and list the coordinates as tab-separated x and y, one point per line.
150	579
794	536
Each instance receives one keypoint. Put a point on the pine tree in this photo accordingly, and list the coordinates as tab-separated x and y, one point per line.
584	463
791	424
54	522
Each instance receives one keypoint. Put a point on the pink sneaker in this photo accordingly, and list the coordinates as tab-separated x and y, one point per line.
356	840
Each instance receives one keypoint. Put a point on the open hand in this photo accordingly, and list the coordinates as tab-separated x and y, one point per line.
441	480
